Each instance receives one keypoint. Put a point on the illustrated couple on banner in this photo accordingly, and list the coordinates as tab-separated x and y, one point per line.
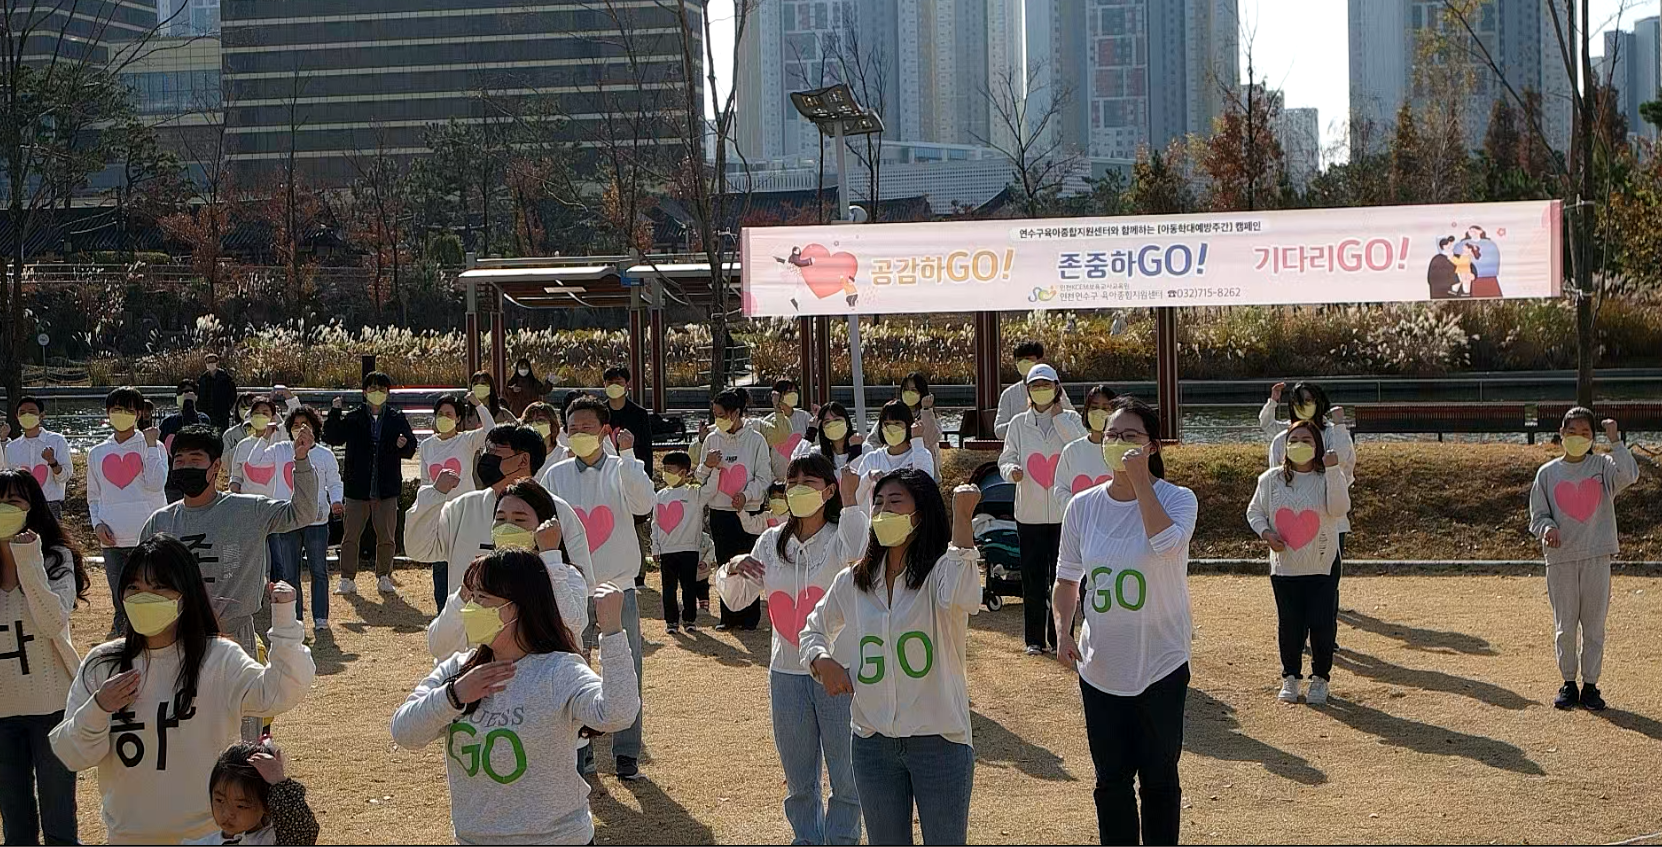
1465	268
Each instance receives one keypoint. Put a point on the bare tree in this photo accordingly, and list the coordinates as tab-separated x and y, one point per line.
379	204
1026	112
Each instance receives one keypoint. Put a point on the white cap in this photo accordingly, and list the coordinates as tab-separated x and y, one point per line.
1044	372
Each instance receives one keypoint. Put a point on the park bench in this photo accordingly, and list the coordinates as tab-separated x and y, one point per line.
737	362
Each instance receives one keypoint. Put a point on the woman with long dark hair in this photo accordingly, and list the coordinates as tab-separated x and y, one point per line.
513	705
832	435
1128	543
41	580
913	392
905	607
524	388
792	566
153	710
483	387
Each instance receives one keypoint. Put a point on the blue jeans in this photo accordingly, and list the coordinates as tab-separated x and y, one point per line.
314	544
28	767
284	550
892	773
807	722
115	559
625	742
441	586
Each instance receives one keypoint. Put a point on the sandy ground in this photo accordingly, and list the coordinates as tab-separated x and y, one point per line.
1440	729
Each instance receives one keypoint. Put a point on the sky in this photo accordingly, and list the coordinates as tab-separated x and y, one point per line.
1300	46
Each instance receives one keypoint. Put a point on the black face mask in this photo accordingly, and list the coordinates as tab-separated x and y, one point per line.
192	481
490	469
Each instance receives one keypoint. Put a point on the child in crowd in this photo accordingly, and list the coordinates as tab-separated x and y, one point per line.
677	535
126	476
254	800
707	564
914	394
773	515
1572	511
896	447
185	398
784	427
310	542
39	451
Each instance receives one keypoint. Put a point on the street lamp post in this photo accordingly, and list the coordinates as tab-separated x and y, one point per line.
835	111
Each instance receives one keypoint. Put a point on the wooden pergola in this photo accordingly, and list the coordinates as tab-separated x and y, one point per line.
645	285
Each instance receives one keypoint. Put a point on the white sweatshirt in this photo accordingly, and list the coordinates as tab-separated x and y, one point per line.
259	467
37	658
1014	401
125	482
607	497
784	435
457	453
1036	450
910	679
446	636
795	583
457	530
511	767
1137	626
838	460
1082	467
678	518
745	468
330	488
1335	437
24	452
153	762
874	463
1305	514
756	523
929	431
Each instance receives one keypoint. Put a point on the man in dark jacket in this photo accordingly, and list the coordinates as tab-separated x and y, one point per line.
218	394
377	439
626	414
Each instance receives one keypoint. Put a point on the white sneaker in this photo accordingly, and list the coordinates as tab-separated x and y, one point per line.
1035	651
320	623
1318	692
385	586
1289	689
346	586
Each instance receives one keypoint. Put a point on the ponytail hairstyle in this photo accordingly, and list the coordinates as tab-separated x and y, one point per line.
54	542
929	540
519	577
1315	431
165	561
818	467
1151	422
731	399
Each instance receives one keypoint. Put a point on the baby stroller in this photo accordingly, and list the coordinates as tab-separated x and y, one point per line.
995	535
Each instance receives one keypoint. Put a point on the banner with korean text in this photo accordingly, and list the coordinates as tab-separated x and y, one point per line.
1306	256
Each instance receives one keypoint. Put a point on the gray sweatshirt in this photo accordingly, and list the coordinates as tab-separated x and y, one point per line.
1578	499
228	537
511	766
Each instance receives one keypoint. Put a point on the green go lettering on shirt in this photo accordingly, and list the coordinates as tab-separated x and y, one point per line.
905	663
519	756
1102	596
478	755
872	664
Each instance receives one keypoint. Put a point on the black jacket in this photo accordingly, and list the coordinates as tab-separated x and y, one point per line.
216	393
367	461
637	420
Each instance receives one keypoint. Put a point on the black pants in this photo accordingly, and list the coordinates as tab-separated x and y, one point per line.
1040	544
680	574
731	540
1307	607
1139	737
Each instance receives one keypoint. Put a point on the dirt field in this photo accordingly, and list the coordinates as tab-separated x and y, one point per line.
1440	729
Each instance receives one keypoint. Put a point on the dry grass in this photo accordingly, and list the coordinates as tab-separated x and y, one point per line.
1439	732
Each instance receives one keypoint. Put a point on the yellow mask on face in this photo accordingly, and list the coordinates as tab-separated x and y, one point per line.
482	623
376	397
507	535
122	421
1113	452
583	444
28	421
891	529
1098	419
1024	365
911	398
836	430
804	501
1576	446
260	422
481	393
12	520
616	391
444	424
1300	452
543	428
1043	397
778	506
791	399
1305	411
724	424
673	479
894	434
150	614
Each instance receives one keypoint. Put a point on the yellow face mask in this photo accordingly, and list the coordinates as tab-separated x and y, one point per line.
444	424
894	435
543	428
790	399
481	393
1113	452
1305	411
836	430
1098	419
12	520
891	529
724	424
260	422
583	444
28	421
673	479
122	421
506	535
1043	397
778	506
804	501
1300	452
616	391
482	623
1024	365
911	398
1576	446
376	397
150	614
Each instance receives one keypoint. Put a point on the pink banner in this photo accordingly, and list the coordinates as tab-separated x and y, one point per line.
1308	256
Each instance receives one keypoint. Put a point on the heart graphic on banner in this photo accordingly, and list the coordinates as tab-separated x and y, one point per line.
39	472
259	474
452	464
828	272
1082	482
1042	469
123	469
670	515
790	616
597	524
733	479
788	445
1579	500
1297	528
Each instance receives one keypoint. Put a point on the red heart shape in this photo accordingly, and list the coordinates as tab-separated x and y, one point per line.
169	443
670	515
288	474
790	616
788	446
1297	528
451	464
40	473
1082	482
733	479
260	474
597	524
825	273
1579	500
121	470
1042	469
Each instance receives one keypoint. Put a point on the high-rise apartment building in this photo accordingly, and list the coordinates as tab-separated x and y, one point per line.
188	17
1631	64
1299	131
